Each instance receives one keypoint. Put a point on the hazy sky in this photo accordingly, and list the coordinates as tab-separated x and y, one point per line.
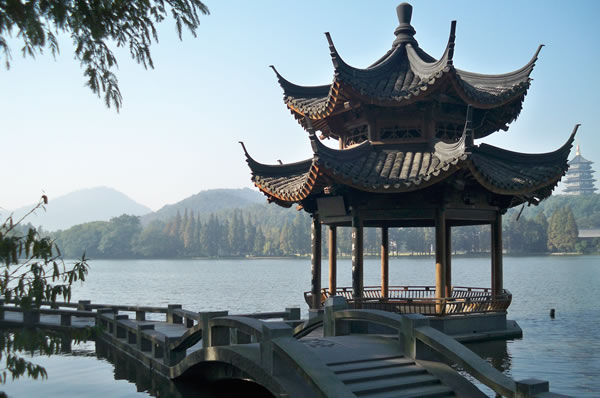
180	124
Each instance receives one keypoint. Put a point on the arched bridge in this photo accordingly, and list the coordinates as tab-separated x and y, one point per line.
342	353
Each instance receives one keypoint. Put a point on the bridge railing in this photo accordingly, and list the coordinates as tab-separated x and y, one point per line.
31	316
199	326
420	340
277	343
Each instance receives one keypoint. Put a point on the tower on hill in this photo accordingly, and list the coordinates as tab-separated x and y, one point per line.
579	179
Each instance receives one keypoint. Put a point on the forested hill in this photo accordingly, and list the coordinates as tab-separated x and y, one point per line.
206	202
269	230
586	209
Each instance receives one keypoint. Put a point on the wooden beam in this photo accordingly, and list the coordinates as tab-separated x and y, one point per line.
315	282
357	256
385	274
448	290
497	271
440	257
332	260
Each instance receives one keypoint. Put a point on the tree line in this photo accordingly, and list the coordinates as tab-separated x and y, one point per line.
264	230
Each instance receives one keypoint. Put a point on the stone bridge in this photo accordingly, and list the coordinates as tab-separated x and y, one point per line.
342	353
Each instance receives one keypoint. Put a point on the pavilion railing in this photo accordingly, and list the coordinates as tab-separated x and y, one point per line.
422	300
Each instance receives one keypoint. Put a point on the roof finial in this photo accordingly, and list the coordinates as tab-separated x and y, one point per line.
404	32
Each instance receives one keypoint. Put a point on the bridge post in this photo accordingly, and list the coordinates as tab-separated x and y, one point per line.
413	348
104	322
293	313
271	331
530	387
142	343
172	357
65	343
330	327
31	317
120	332
84	305
205	318
171	316
1	309
140	315
158	350
65	319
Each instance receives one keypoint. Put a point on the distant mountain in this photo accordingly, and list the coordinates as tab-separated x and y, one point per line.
206	202
85	205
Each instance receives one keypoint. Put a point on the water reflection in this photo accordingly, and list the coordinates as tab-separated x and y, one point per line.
145	380
495	352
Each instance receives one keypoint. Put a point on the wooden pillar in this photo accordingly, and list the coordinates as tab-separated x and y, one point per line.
497	271
357	256
448	273
332	260
385	275
315	282
440	257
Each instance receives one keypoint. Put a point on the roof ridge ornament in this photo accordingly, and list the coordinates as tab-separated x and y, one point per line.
405	31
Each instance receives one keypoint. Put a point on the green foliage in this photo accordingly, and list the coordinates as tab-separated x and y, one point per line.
586	209
525	235
32	272
93	26
17	342
562	231
269	230
119	236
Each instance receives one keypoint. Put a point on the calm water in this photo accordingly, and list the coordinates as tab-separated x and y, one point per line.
564	350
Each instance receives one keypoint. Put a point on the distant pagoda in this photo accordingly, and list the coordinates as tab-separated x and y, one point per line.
579	180
406	157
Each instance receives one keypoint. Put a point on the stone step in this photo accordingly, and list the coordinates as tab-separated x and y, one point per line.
381	373
431	391
393	384
379	363
370	359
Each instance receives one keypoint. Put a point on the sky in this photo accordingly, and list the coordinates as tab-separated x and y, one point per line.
178	130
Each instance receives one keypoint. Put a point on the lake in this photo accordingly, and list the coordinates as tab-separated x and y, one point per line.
564	350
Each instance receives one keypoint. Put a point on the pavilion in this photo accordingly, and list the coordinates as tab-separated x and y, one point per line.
406	157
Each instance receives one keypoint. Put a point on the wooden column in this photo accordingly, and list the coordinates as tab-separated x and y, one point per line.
385	275
357	256
315	282
448	273
440	257
332	260
497	271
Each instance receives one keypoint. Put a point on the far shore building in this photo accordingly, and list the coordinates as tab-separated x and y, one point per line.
406	156
579	179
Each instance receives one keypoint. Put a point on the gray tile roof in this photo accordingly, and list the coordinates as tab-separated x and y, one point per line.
388	169
406	74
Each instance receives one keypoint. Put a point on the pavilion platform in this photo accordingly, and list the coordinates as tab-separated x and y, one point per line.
469	314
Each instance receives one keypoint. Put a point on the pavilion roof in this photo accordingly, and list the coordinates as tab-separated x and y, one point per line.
406	74
396	169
